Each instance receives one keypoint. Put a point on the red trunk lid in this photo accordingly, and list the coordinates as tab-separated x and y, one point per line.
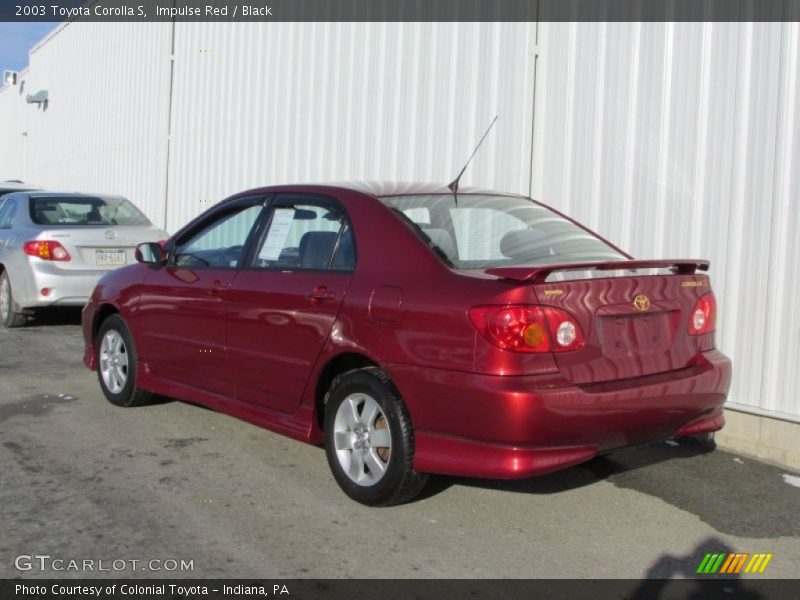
633	325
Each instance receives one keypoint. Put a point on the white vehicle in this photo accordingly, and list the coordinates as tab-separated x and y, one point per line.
55	246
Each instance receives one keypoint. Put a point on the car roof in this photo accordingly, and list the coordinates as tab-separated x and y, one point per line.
16	186
380	189
37	194
405	188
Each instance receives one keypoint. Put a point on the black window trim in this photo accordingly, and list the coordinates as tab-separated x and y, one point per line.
283	200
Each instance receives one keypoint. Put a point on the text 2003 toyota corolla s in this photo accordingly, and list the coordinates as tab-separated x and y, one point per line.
413	331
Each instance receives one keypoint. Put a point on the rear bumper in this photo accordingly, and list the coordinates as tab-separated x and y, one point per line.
66	287
515	427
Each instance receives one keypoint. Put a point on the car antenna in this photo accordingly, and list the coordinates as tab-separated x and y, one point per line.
453	185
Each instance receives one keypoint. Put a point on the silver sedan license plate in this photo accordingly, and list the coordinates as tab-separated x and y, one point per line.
106	258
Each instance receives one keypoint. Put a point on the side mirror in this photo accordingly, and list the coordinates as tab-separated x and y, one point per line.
151	253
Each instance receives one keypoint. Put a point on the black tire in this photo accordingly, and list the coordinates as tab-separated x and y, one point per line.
9	316
399	483
127	395
704	440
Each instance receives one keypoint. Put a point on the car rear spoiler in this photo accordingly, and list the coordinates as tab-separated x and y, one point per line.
539	274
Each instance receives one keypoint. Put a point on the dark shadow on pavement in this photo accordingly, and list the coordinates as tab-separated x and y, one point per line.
597	469
660	581
55	316
683	473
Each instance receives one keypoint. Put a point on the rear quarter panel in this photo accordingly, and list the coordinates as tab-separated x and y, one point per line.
16	264
406	307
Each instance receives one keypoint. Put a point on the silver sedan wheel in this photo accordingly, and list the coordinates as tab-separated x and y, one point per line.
113	361
5	298
362	439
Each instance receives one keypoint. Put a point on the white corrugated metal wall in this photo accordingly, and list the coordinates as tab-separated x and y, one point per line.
669	139
291	102
104	127
682	140
13	148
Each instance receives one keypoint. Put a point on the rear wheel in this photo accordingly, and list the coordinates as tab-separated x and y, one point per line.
9	317
117	361
704	440
369	439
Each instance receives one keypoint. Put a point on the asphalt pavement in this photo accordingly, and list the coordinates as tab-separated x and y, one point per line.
81	479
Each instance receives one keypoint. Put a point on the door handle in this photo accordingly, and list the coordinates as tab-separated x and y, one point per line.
320	294
217	289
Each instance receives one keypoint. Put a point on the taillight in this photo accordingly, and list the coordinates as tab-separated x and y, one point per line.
703	318
46	250
536	329
565	331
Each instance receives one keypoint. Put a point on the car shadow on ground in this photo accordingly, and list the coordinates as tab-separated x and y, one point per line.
684	473
54	317
676	576
598	469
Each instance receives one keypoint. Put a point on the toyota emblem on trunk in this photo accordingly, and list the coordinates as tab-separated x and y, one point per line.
641	302
110	235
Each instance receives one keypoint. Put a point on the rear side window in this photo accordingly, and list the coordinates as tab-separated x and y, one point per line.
483	231
7	210
85	210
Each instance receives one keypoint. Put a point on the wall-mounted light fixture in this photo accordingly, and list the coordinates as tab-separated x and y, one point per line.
39	97
10	77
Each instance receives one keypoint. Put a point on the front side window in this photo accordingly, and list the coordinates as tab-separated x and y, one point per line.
221	243
482	231
85	210
307	237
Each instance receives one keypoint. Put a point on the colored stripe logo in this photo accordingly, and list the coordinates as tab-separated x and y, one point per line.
731	563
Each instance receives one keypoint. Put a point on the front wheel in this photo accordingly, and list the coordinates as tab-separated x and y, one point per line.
9	317
116	362
369	439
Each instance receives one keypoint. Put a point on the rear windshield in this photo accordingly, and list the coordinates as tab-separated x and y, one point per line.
85	210
481	231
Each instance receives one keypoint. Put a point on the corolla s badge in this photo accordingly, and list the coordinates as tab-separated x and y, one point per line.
641	302
110	235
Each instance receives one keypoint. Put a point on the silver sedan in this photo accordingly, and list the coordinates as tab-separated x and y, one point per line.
55	246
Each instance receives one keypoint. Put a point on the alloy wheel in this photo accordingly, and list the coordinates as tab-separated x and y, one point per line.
362	439
114	361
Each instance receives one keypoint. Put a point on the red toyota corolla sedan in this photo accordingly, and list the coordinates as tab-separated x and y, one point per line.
413	331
